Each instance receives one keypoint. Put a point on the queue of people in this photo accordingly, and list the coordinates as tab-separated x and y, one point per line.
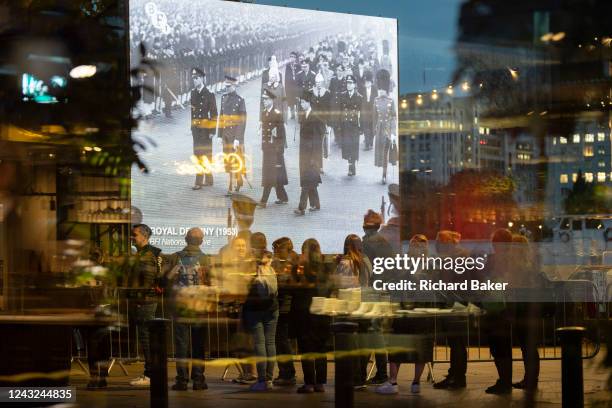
274	290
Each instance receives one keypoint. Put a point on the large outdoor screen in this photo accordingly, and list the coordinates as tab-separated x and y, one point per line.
244	99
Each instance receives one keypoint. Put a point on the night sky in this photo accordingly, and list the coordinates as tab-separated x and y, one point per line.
427	32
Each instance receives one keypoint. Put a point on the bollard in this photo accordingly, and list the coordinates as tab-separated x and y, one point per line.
159	363
572	385
344	333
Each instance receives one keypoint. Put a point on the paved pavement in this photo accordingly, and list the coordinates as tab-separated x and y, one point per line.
226	395
166	199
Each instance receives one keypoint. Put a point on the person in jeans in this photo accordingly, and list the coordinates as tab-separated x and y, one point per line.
283	262
188	268
146	269
260	315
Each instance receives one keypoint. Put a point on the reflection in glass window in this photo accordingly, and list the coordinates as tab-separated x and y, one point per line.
574	177
563	140
601	136
589	138
576	138
588	151
588	177
601	177
563	179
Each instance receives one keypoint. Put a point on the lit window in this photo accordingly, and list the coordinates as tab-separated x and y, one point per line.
588	151
574	177
601	177
601	136
589	138
562	140
554	141
563	179
601	164
576	138
588	177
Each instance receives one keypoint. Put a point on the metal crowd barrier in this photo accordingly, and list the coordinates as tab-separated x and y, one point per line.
575	306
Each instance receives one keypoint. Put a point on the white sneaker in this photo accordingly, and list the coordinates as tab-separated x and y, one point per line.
387	388
415	388
142	381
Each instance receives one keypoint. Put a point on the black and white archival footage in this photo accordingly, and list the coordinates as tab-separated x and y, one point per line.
260	118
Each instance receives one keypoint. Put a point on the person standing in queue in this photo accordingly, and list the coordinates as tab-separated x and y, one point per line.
274	172
142	279
232	124
203	125
350	124
312	131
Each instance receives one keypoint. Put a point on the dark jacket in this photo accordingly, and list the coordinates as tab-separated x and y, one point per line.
312	130
203	110
232	120
273	147
145	271
376	246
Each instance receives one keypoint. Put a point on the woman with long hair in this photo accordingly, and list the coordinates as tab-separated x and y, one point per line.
354	267
353	271
313	330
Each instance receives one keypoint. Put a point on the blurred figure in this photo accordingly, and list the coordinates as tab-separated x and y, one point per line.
274	85
146	269
321	106
369	93
313	331
497	321
283	263
260	313
415	334
188	268
385	123
391	230
447	245
354	270
375	246
527	314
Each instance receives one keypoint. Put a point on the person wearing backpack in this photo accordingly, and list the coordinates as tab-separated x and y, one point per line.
188	268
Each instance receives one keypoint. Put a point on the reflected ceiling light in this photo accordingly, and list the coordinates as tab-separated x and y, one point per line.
558	37
83	71
434	95
449	90
513	73
465	86
546	37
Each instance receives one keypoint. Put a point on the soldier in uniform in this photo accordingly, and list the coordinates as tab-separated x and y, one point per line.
321	105
292	87
384	122
306	77
369	94
274	172
232	124
350	125
312	130
203	124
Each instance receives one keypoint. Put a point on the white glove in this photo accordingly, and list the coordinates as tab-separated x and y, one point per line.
236	144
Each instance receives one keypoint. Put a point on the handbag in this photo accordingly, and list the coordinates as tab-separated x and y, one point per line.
393	154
